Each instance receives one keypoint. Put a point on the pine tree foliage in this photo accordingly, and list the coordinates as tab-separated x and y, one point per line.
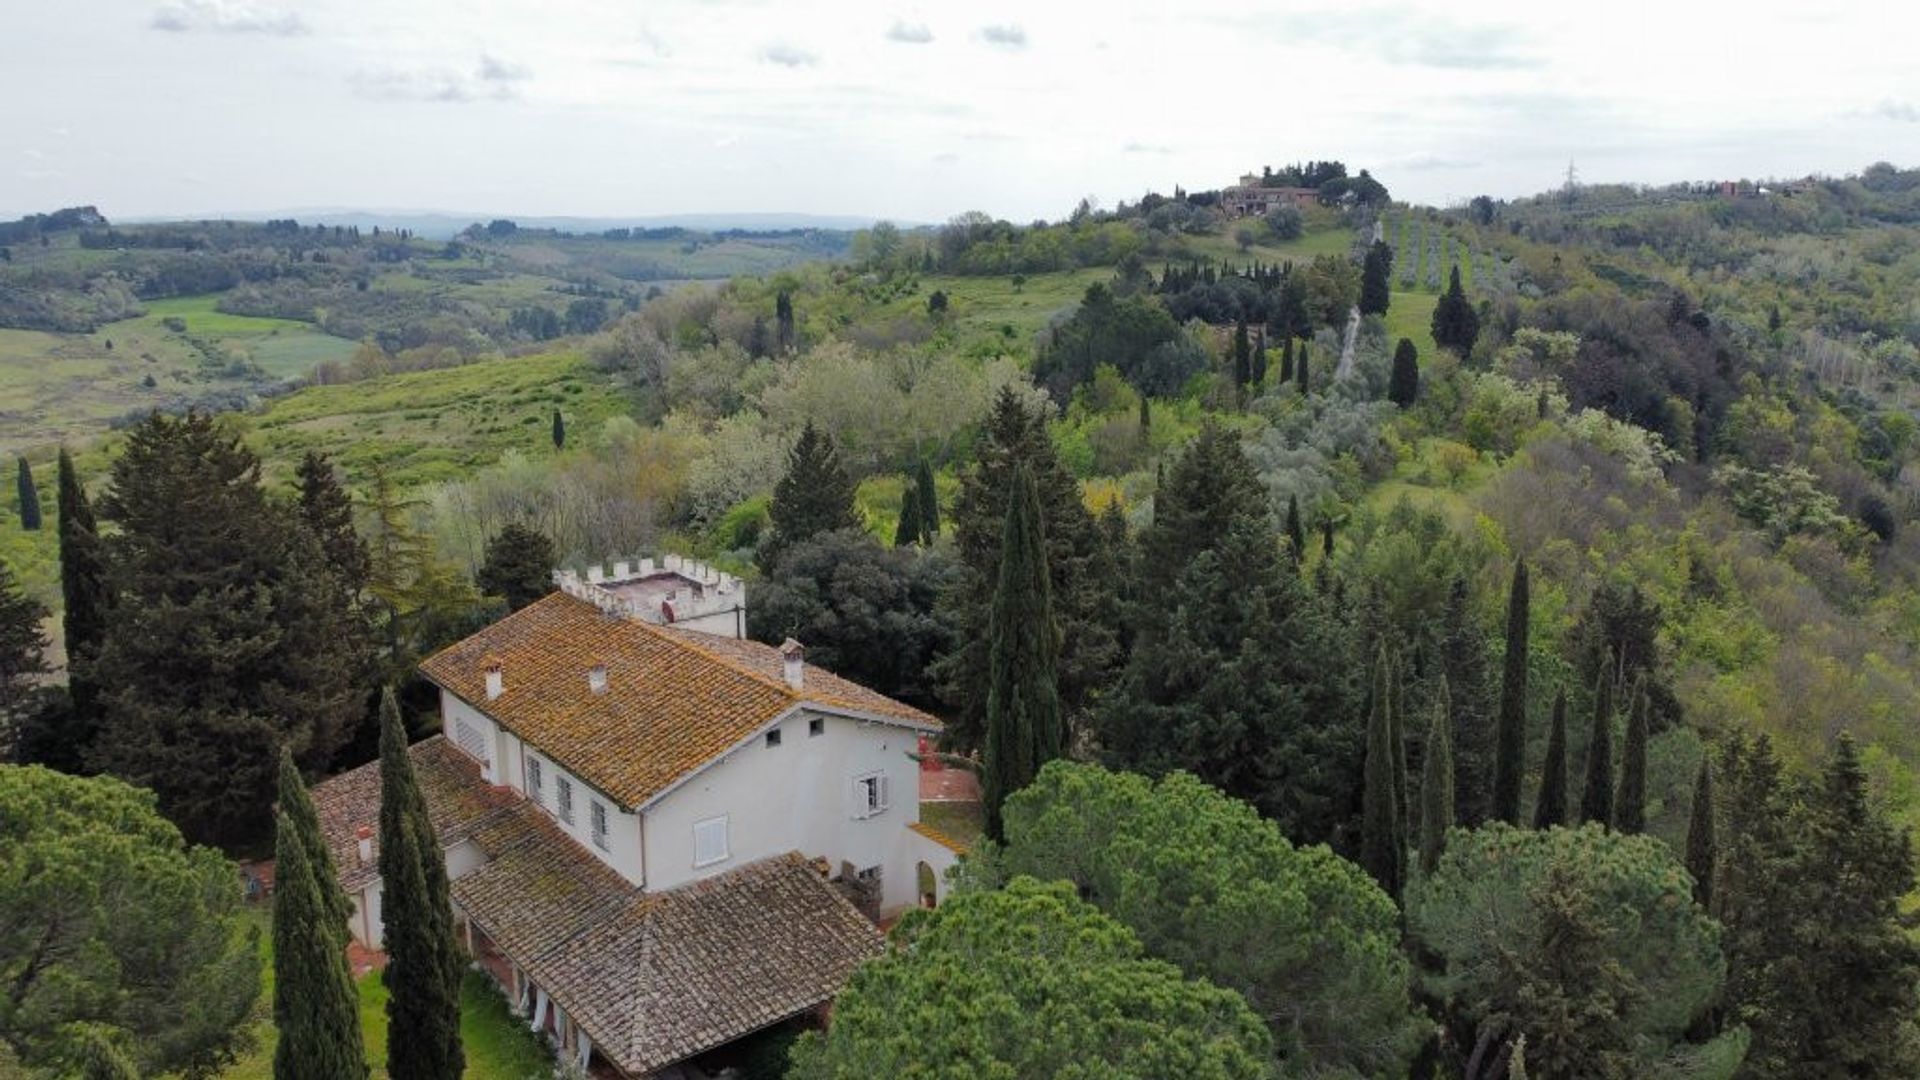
316	1010
1436	786
1015	434
1403	385
1463	659
1510	750
1702	846
424	964
230	635
1551	808
29	499
1024	726
1296	531
1630	803
518	566
420	601
327	510
814	496
22	663
1596	797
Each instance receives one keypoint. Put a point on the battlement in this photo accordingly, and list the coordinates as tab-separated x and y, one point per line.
674	592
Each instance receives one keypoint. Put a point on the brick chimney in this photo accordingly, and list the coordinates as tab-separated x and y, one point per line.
794	656
496	680
363	843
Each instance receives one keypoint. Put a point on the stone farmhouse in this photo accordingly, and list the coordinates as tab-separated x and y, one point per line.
661	837
1249	199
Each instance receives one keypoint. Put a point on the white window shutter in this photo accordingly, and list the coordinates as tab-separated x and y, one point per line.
884	799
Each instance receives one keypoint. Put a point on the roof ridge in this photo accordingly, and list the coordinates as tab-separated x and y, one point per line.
663	634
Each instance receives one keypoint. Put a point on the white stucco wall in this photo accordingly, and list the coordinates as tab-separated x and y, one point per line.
798	796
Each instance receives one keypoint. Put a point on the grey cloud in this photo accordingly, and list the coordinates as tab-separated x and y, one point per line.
1904	111
1401	36
495	70
946	159
226	16
909	33
492	79
788	56
1428	162
1145	148
1004	35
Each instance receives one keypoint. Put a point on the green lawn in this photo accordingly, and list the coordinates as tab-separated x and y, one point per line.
498	1045
1410	315
963	821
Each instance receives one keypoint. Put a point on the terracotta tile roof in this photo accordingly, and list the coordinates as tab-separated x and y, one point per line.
675	699
458	800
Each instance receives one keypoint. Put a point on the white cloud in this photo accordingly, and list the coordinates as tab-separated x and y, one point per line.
491	79
1005	35
909	33
226	16
1904	111
788	56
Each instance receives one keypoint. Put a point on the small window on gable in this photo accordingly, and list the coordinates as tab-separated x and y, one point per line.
816	726
870	795
710	841
773	738
535	781
599	816
563	798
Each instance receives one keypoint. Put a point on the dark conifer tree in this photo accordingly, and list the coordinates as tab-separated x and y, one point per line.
1456	325
1596	798
1630	804
22	664
1403	387
907	531
1242	355
1551	809
1300	372
1702	848
1146	414
783	320
1463	659
815	496
1286	360
1259	363
423	960
1397	744
1510	750
1436	786
1382	821
328	512
29	499
60	738
1024	725
316	1010
929	500
519	566
1376	276
1296	531
559	431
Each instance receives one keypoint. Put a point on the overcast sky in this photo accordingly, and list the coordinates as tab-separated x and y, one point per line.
613	107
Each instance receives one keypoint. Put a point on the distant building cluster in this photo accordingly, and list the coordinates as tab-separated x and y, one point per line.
1250	198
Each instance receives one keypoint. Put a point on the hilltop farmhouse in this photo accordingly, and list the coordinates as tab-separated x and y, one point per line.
661	837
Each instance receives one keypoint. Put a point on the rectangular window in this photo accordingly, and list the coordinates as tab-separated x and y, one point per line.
816	726
536	786
870	795
773	738
471	738
599	814
709	841
563	792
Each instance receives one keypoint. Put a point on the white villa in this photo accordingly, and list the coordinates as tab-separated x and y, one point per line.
661	837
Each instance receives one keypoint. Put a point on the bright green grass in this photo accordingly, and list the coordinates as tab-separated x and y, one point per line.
964	821
498	1046
430	426
1410	315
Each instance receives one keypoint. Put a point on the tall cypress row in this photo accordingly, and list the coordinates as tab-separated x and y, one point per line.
423	960
1381	828
316	1010
1024	726
29	499
83	591
1702	847
1436	786
907	532
1551	809
1397	739
1510	747
1630	805
1596	799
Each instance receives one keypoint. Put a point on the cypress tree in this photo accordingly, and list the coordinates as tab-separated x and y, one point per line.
1300	372
1436	786
1510	749
1242	355
61	739
1286	359
29	499
328	512
1296	532
559	431
1381	825
1702	851
1258	366
1455	324
1146	414
1630	805
814	496
1024	726
1375	279
1596	799
1403	387
316	1009
22	664
907	532
423	961
1463	658
929	500
1551	810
